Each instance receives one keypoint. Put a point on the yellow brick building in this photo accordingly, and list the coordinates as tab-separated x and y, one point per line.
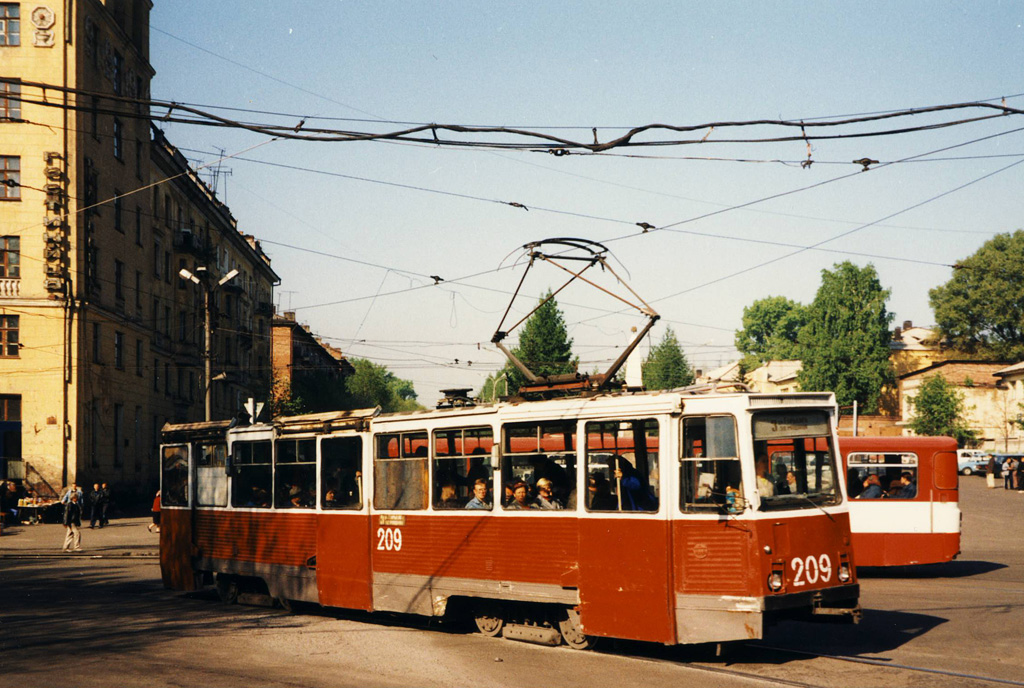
101	341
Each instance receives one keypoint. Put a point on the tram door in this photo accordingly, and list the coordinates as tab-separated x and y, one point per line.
343	526
625	542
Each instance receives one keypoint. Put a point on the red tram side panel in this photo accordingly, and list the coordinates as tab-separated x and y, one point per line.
896	528
705	557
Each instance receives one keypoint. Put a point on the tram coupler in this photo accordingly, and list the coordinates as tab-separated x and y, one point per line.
849	615
539	635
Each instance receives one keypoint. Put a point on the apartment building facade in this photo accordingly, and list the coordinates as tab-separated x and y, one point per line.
101	340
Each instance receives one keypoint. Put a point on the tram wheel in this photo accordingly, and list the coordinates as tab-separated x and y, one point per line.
572	633
284	603
489	618
227	589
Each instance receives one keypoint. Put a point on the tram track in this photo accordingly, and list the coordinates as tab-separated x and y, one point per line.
896	666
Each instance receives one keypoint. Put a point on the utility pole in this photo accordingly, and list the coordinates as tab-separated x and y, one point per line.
202	278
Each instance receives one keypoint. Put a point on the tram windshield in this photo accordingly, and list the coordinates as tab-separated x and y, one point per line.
795	459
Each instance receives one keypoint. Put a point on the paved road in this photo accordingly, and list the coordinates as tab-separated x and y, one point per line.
103	615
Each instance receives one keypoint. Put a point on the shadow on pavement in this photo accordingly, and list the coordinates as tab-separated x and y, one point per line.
951	569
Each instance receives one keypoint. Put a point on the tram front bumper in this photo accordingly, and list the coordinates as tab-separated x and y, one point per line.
828	604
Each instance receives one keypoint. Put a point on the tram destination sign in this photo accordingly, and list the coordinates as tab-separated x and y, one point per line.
781	425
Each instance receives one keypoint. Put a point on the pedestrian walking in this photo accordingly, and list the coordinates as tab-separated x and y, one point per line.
72	523
105	499
154	527
1009	473
1020	475
95	511
66	497
990	474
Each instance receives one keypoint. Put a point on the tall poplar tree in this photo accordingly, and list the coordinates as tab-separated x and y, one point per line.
666	366
845	344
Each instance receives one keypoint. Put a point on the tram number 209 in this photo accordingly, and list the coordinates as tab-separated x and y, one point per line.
811	569
390	539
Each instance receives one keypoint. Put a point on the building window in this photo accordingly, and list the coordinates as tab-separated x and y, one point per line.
138	357
119	435
138	158
9	336
118	74
10	257
167	379
118	212
10	178
138	293
10	407
156	375
10	24
182	330
138	439
138	225
157	258
119	280
94	118
10	101
119	350
96	344
118	139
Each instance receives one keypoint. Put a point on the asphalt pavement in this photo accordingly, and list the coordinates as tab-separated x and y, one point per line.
127	537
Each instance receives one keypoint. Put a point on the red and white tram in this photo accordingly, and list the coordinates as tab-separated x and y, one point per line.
913	521
663	532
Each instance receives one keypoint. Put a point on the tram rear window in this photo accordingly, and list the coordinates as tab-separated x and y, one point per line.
251	486
795	461
341	477
295	474
709	469
400	471
462	456
540	451
174	476
211	474
896	475
622	465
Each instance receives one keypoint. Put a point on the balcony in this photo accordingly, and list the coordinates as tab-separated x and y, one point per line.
186	241
10	288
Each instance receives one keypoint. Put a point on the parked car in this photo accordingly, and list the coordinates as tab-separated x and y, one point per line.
970	461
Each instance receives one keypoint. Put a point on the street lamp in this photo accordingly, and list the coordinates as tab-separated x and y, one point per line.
202	278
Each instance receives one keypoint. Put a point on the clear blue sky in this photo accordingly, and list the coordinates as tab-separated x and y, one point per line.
607	65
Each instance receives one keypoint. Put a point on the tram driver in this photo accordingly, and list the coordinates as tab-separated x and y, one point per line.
765	486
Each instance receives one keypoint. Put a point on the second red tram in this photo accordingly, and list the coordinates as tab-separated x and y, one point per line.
637	516
912	516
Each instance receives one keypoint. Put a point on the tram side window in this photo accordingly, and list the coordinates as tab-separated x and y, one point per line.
295	477
341	473
400	471
252	475
462	456
211	474
538	466
174	469
894	473
709	469
622	465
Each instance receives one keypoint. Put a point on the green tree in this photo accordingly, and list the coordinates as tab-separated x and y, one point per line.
981	309
375	385
845	344
939	410
544	346
666	366
771	327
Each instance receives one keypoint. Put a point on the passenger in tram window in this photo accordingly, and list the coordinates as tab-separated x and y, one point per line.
520	497
260	498
448	498
635	495
854	485
599	495
545	499
509	496
908	488
872	488
331	499
791	487
765	486
781	479
479	500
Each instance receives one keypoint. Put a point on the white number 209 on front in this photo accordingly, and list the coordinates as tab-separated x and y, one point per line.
811	569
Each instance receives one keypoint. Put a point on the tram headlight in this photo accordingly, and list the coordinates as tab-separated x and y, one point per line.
844	573
775	581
